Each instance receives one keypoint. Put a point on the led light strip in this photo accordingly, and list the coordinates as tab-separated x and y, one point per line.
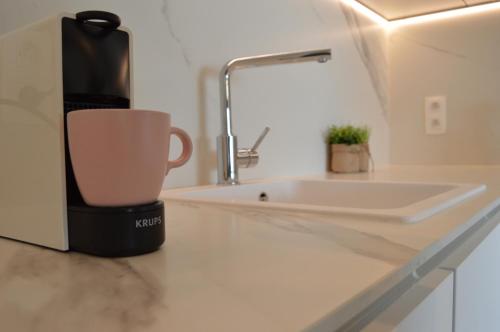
390	24
367	12
446	14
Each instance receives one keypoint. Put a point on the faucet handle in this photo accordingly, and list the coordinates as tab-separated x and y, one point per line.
250	157
261	138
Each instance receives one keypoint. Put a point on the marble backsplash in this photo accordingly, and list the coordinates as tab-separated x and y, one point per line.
179	47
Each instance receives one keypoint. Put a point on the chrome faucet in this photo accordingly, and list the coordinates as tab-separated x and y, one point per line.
229	157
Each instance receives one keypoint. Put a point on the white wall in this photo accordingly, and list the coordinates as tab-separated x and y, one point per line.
181	45
459	58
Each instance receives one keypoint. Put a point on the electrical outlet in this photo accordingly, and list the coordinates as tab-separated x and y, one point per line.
435	115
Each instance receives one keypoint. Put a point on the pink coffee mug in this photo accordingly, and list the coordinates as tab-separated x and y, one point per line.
120	156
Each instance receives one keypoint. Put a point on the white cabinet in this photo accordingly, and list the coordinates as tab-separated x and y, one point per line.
461	295
426	306
477	281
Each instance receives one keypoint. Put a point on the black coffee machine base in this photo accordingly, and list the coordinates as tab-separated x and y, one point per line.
116	231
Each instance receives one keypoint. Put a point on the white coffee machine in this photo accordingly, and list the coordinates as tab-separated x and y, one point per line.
61	64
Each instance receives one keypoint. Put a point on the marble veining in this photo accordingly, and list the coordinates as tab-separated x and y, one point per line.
371	44
165	10
361	243
317	12
428	45
39	286
29	101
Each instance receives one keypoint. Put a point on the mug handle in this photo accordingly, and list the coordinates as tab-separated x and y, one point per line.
187	148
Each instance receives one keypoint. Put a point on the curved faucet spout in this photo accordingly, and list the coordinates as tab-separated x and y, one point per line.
227	152
321	56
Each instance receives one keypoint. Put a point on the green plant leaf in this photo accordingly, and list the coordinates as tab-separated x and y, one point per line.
348	134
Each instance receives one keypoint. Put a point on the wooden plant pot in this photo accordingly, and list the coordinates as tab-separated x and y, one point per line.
345	158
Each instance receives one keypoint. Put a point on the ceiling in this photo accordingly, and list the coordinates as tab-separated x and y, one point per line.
397	9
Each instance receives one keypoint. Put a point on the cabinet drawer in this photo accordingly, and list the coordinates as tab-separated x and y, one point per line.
477	281
426	306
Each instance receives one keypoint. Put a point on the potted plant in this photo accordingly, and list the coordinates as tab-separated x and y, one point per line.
350	152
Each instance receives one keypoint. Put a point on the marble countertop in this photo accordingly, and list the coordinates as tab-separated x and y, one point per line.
228	269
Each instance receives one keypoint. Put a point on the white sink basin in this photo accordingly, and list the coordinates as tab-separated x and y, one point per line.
405	202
